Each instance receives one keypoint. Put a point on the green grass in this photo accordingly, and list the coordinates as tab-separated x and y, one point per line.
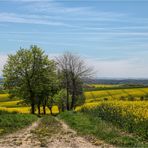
10	122
86	124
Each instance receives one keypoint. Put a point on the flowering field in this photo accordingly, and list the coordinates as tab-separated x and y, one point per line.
129	115
126	108
119	94
11	105
93	98
4	97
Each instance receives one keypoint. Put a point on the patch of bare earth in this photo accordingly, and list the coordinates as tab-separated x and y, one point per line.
48	133
23	138
68	138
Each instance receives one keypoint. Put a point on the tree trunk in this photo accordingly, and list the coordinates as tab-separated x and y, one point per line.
59	109
67	100
73	101
63	108
31	97
50	108
44	109
67	95
51	111
73	95
32	108
39	111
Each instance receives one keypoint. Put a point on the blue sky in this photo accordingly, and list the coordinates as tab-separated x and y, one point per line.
111	35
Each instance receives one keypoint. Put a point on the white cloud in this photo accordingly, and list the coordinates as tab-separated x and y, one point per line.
57	10
126	68
135	67
28	19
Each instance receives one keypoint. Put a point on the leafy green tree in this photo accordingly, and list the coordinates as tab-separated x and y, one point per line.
59	99
29	74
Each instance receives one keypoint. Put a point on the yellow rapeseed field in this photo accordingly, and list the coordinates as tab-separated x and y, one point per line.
9	105
138	108
104	85
4	97
130	115
116	94
16	109
93	98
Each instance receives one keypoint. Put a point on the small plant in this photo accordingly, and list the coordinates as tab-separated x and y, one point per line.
131	98
105	99
142	98
122	98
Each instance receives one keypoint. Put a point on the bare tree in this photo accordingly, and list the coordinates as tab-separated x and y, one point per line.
74	70
63	71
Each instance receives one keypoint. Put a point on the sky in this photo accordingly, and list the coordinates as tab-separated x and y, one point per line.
110	35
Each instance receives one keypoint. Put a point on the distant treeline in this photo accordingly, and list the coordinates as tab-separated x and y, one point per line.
124	86
117	81
126	82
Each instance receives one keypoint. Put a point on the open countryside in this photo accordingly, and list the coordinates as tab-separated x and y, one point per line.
124	108
73	74
94	97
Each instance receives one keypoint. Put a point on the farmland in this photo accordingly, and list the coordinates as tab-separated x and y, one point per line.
118	94
130	115
118	111
16	105
93	98
118	116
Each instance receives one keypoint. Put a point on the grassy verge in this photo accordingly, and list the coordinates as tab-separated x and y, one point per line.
10	122
86	124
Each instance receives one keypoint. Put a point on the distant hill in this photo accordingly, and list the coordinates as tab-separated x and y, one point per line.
111	81
118	81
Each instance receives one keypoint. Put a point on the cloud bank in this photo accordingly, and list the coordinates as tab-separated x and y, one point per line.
109	68
3	59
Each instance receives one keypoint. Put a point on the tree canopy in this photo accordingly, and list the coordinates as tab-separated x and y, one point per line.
39	81
30	75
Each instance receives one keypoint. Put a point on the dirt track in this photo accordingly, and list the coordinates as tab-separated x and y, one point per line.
66	138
